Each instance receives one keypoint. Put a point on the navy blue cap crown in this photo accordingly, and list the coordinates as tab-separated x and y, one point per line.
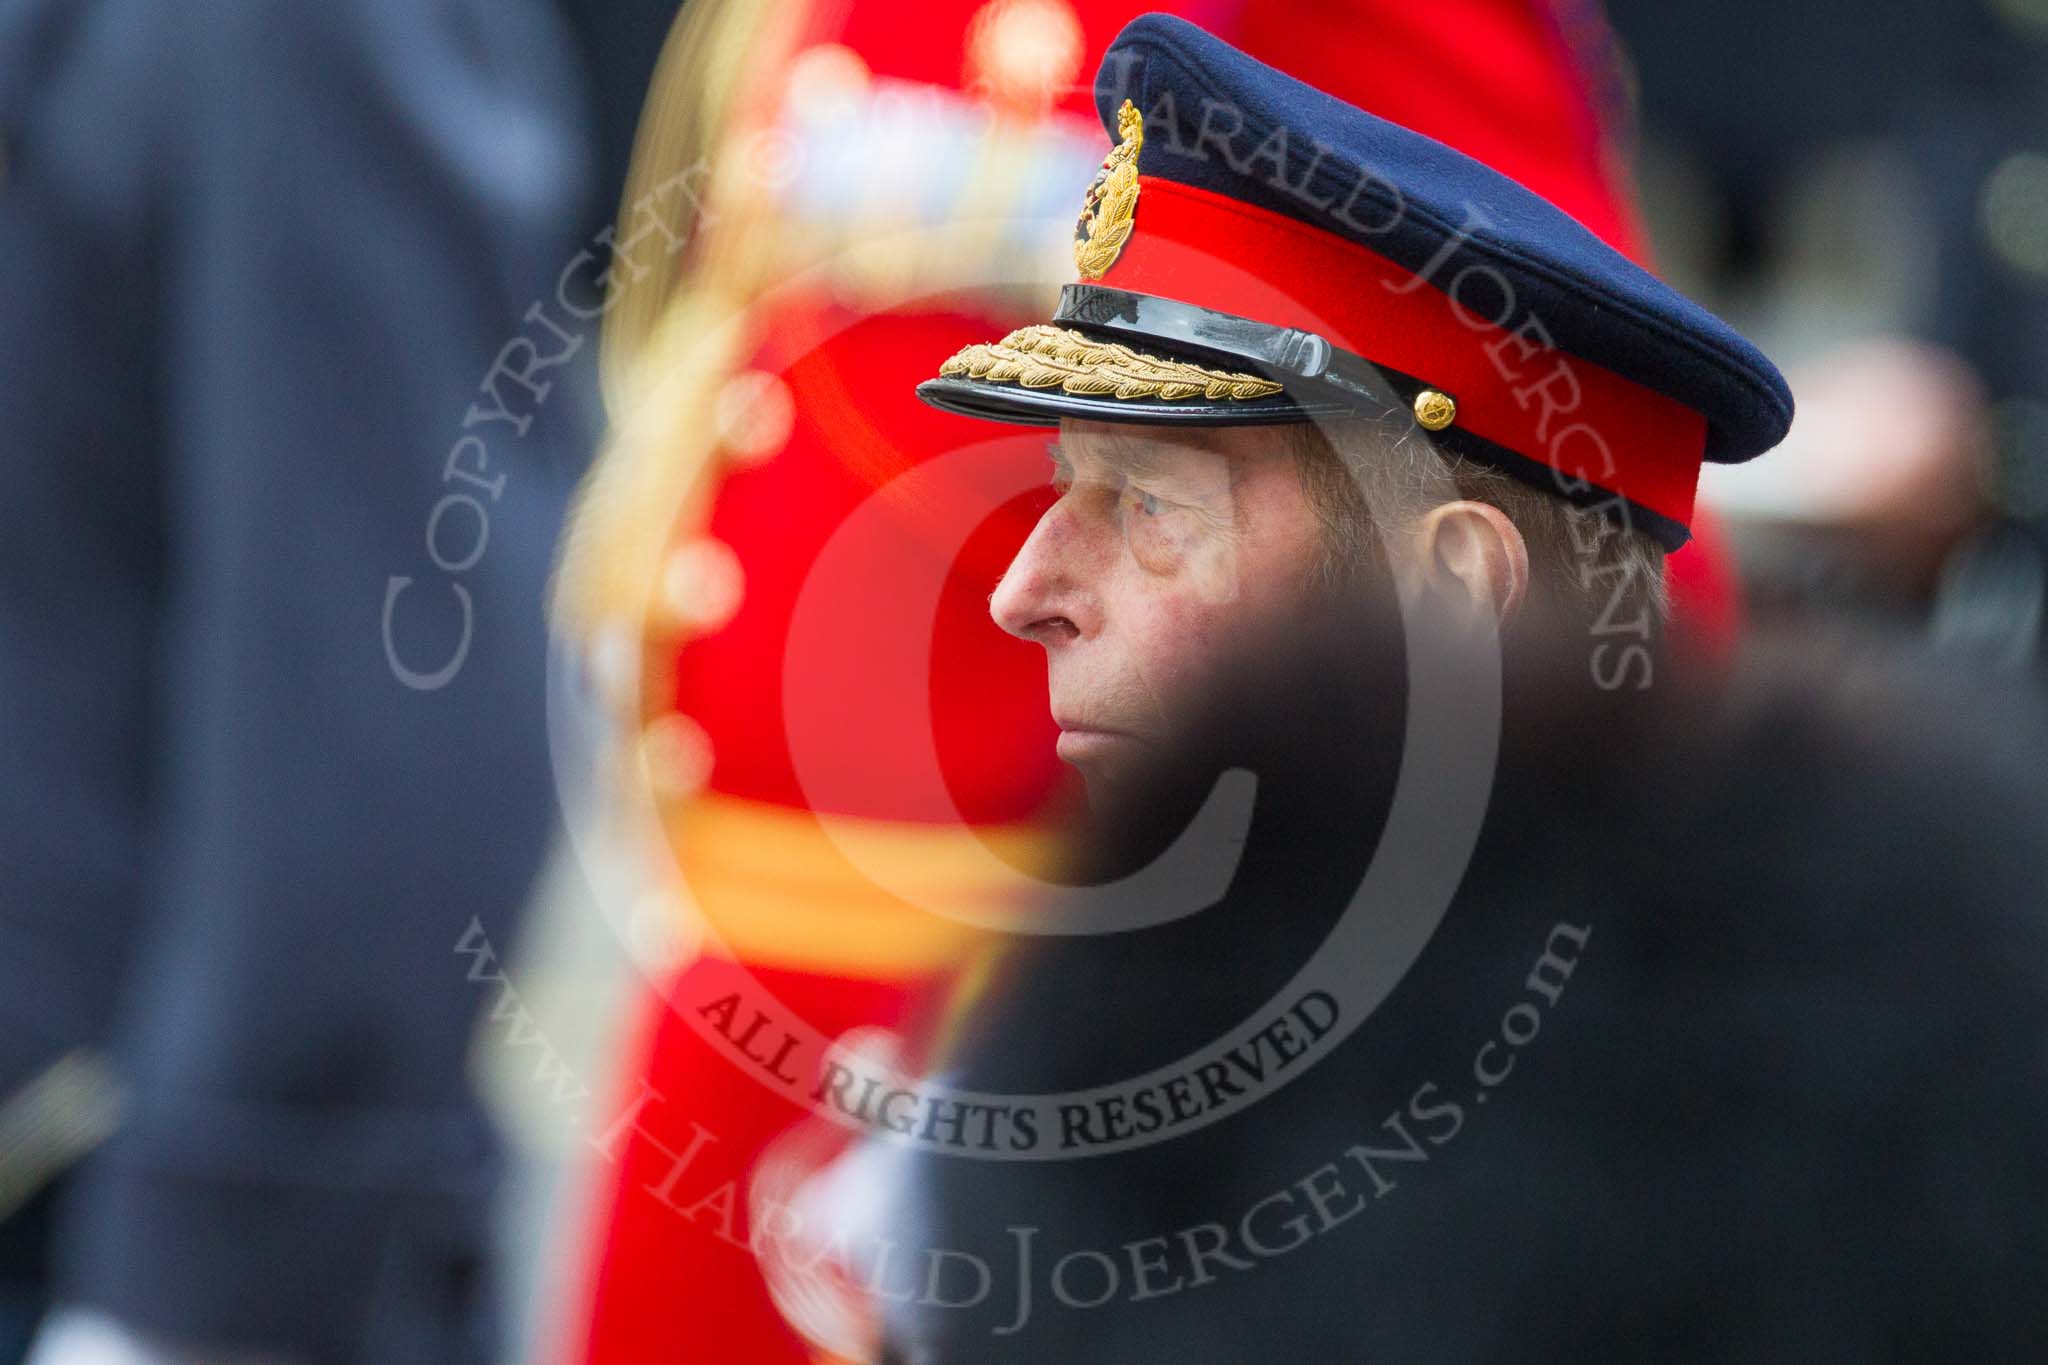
1219	120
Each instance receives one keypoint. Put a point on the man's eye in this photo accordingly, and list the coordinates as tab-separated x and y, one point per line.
1156	530
1146	504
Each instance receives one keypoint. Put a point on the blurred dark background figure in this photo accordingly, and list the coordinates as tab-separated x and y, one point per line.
286	450
1865	190
1733	1046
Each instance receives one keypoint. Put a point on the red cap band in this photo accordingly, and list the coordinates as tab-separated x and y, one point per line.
1461	332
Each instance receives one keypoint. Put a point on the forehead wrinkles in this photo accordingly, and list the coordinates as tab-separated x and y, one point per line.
1118	451
1136	454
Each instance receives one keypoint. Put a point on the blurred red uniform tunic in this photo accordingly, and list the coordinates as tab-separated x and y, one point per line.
1513	82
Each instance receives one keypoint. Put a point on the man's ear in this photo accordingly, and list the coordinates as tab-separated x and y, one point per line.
1471	551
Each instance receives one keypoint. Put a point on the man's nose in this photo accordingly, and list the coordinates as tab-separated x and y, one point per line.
1044	594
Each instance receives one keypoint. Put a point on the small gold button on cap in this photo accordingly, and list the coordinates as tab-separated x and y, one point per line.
1435	409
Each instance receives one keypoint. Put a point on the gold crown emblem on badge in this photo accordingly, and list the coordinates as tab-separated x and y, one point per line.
1112	199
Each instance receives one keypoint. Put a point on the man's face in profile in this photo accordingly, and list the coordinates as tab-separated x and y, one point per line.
1169	551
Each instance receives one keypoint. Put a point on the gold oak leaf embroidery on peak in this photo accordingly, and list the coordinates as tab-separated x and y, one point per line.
1046	357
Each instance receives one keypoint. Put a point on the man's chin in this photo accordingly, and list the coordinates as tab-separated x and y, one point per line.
1111	765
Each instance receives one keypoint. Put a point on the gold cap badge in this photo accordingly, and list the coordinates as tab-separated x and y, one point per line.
1112	199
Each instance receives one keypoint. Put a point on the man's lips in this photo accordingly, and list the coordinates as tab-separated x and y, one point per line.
1079	742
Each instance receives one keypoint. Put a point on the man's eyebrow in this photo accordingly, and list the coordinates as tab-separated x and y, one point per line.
1126	455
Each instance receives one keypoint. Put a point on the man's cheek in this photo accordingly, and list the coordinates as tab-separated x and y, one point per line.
1184	551
1182	645
1212	572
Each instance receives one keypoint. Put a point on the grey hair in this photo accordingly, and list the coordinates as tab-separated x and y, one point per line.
1368	480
